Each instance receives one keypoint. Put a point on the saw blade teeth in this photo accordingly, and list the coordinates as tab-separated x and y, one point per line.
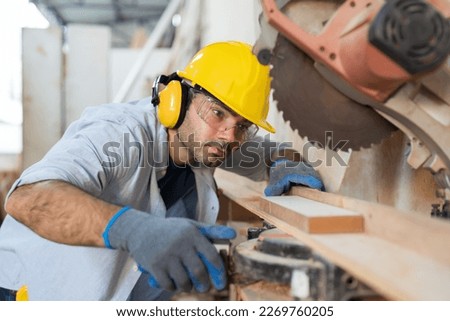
308	103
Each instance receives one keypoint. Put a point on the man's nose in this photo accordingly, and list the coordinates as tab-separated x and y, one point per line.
229	134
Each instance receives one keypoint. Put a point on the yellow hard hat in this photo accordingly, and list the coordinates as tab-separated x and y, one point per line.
233	74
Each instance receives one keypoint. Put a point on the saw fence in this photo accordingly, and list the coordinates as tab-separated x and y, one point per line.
400	255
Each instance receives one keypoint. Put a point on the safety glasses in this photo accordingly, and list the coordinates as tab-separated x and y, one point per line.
221	118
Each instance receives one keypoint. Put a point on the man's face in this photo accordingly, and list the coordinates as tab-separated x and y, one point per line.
211	131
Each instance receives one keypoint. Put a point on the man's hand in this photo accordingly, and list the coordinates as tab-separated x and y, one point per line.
284	174
176	252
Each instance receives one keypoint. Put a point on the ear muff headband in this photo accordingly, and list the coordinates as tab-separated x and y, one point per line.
172	101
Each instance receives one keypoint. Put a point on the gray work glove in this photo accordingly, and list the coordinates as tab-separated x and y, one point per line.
176	252
285	173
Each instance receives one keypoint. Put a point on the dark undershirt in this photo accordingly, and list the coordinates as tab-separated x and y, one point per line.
179	182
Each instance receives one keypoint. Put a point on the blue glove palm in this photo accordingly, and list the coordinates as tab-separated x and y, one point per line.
285	173
176	252
217	274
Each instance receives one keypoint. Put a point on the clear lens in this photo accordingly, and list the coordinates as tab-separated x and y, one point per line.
221	118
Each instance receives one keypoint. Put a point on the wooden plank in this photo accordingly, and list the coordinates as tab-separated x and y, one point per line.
231	211
397	254
391	270
312	216
425	235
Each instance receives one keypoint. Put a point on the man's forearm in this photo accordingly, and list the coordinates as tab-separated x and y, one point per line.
61	212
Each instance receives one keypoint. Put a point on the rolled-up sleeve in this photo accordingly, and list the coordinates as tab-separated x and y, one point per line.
88	155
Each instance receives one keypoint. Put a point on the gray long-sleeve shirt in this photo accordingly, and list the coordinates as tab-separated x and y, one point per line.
116	152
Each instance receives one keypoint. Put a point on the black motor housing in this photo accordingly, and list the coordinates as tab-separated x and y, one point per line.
412	33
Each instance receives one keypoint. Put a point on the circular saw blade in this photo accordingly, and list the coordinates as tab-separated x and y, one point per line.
316	109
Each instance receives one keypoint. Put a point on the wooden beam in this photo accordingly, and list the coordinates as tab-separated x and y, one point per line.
425	235
396	255
391	270
312	216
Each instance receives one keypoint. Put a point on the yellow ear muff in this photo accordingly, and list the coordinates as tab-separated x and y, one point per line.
172	104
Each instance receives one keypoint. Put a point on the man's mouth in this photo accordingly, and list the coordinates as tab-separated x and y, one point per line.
216	152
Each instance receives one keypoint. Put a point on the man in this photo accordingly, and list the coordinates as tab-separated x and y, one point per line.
123	206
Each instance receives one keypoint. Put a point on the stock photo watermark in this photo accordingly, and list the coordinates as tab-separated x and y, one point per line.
248	154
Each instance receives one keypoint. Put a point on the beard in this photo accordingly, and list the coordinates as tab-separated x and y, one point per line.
192	144
205	153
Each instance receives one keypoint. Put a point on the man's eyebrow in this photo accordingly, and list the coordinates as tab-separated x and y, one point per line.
214	99
228	109
244	120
